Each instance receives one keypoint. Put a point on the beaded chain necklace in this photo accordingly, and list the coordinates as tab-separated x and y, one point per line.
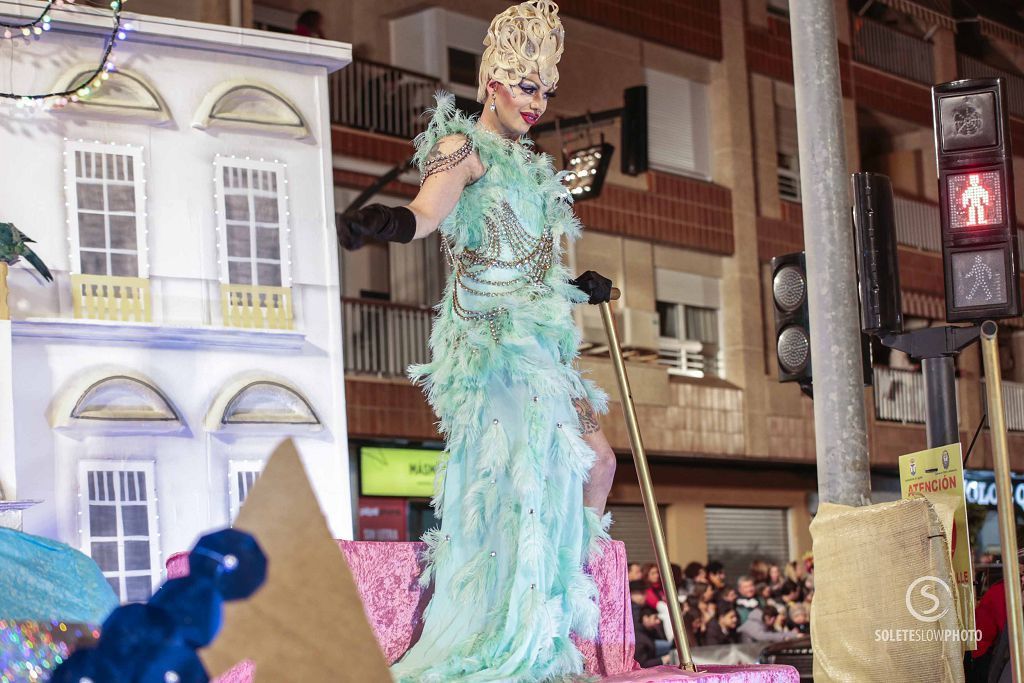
531	257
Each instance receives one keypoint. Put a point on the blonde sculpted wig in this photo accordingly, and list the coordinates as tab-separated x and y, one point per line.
524	38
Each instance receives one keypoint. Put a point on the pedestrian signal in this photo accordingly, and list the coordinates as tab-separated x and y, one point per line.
976	208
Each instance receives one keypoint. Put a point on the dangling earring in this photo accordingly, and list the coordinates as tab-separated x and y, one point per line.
493	106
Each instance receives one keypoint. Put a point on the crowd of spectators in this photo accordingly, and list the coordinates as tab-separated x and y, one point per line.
767	604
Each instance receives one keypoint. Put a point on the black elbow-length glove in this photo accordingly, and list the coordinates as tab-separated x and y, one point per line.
376	221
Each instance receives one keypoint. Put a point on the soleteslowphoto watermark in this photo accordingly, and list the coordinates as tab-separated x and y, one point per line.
928	599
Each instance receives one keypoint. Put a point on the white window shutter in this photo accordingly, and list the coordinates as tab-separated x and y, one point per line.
678	132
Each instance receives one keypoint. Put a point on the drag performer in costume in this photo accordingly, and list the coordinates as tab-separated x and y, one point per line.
527	469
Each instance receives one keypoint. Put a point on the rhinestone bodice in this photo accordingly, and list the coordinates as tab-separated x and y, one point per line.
510	261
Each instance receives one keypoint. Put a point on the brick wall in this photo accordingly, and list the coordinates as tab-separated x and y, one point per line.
360	181
892	95
388	408
689	25
674	210
770	53
363	145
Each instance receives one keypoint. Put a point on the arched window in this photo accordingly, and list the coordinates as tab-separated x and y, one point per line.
265	402
122	94
250	106
115	402
260	405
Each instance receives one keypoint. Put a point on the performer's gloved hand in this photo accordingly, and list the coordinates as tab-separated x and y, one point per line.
376	221
597	286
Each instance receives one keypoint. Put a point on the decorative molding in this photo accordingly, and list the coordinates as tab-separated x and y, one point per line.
101	331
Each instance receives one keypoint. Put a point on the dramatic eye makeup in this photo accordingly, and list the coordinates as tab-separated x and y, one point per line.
530	88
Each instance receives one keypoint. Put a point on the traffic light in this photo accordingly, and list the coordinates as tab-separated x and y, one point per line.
792	320
874	223
793	323
976	207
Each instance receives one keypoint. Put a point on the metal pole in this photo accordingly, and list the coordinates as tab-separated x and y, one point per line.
1004	496
941	420
643	472
839	423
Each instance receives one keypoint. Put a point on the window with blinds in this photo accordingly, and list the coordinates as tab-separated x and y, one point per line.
678	125
687	306
788	153
105	201
119	525
630	526
737	536
251	208
242	476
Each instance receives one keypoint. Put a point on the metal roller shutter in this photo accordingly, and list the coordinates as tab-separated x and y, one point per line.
630	527
738	536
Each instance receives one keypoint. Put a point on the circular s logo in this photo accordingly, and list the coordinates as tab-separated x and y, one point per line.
925	593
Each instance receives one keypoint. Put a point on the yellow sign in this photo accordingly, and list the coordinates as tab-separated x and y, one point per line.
398	471
938	475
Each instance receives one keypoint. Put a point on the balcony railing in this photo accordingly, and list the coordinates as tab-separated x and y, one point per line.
1013	402
381	98
106	297
688	358
256	307
877	45
899	395
969	67
383	338
917	224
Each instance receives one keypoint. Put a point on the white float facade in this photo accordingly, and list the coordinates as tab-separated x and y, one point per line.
187	215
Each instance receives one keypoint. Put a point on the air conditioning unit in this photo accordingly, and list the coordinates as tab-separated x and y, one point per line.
588	319
638	329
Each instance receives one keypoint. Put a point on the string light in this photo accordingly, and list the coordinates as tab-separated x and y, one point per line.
42	19
91	82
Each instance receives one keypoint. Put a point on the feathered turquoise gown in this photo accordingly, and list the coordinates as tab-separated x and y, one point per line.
507	562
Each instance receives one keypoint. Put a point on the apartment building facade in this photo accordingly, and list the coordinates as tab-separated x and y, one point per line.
185	209
687	241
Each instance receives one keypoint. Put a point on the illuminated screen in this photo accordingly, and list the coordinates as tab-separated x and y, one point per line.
968	121
979	278
398	471
975	199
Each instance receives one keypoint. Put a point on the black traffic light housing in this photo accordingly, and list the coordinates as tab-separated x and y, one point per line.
976	205
792	319
874	224
793	323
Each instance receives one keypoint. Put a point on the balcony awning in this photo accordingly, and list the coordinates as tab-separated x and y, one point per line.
932	12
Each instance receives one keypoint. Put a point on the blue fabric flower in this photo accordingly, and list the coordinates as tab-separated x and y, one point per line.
131	633
195	605
88	665
174	658
233	560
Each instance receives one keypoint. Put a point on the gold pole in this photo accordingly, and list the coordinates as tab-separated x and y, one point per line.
5	311
647	490
1004	496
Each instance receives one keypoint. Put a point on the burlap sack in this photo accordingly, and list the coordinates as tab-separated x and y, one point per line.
874	567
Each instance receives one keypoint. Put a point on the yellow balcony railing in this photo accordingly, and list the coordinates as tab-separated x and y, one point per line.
253	306
107	297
